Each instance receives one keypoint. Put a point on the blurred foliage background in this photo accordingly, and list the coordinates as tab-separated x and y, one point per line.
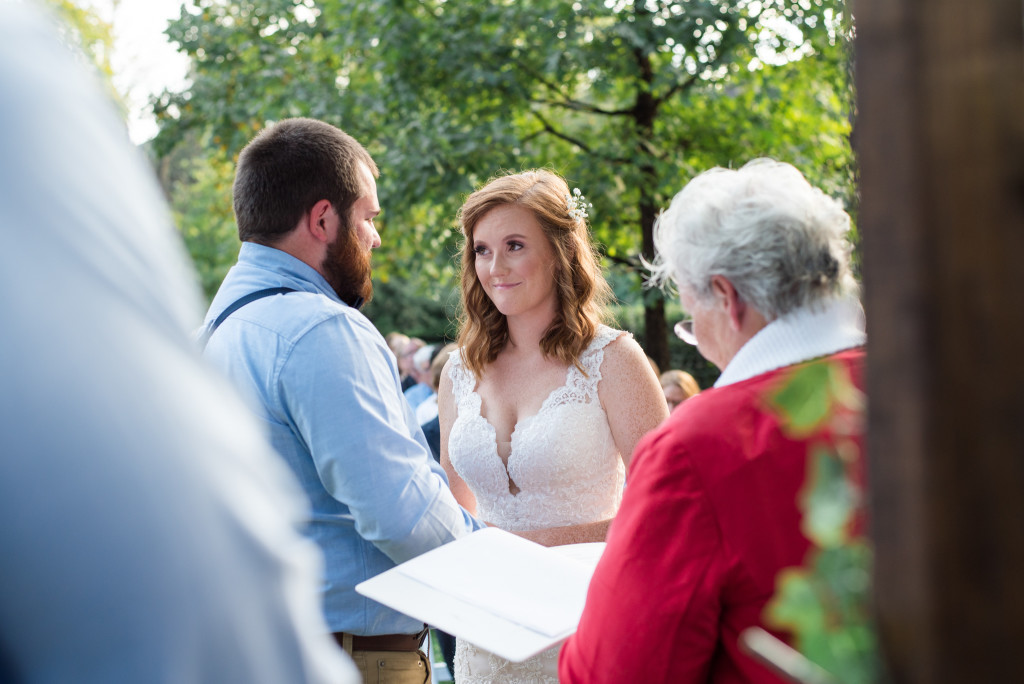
628	100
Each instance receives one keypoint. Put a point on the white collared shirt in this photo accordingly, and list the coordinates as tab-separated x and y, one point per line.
798	336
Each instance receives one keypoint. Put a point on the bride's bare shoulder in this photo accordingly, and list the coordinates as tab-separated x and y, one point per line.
624	358
630	393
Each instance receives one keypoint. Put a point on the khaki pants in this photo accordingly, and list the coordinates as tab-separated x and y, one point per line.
391	667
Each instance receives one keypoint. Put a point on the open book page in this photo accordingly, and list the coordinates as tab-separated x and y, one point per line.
497	590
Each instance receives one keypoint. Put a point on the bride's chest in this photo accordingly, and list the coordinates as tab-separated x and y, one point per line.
566	443
510	399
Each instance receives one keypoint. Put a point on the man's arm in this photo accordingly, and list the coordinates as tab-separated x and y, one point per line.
342	393
653	606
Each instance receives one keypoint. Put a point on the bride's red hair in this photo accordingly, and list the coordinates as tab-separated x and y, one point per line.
583	294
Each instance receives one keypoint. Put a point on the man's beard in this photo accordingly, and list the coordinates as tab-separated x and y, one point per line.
346	267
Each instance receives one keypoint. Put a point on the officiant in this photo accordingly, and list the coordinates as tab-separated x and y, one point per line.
710	516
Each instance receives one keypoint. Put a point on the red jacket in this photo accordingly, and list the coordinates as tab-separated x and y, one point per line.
708	519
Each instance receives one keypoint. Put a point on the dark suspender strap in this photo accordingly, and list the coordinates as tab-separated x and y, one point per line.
238	304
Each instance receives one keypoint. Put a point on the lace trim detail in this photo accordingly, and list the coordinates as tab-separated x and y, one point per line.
463	380
578	388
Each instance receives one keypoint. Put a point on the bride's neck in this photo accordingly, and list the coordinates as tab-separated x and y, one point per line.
525	333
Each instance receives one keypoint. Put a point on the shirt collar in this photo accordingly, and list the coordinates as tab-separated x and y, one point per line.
292	271
800	335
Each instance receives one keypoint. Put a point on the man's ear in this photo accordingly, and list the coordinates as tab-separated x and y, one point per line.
317	221
729	299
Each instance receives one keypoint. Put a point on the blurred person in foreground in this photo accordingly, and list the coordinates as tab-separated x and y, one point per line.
710	516
149	530
542	404
678	386
322	379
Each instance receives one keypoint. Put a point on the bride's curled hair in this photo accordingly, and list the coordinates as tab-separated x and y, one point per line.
583	294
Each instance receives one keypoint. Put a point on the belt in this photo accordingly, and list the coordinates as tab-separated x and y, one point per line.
383	642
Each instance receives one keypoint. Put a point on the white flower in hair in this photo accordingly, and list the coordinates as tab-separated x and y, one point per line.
578	205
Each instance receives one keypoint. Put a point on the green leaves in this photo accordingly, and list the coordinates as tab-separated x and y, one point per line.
813	393
826	603
829	501
827	608
629	100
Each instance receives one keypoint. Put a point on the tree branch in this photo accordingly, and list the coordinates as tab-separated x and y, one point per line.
575	105
558	134
548	128
563	100
531	136
632	262
680	85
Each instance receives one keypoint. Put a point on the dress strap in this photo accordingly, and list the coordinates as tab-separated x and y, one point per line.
463	380
591	360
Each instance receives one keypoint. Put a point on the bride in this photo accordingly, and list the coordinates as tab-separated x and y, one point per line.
542	406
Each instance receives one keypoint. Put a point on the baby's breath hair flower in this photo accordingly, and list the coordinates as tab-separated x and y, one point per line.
577	205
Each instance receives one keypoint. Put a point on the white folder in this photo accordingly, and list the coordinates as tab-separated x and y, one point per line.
500	592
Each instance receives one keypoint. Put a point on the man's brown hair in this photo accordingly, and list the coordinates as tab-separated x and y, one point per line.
290	166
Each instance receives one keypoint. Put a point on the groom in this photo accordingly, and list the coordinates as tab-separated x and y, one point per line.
285	327
710	515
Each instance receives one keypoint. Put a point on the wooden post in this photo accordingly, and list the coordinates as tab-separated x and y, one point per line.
940	136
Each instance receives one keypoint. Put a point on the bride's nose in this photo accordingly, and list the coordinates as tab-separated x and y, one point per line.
498	265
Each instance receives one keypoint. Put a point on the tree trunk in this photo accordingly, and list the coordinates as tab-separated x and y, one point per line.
644	112
655	340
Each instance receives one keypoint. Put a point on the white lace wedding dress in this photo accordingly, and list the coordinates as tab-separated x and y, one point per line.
568	471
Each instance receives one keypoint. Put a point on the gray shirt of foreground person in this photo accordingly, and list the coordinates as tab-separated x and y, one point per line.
148	529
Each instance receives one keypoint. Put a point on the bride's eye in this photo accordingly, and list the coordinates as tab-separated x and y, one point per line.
479	250
514	246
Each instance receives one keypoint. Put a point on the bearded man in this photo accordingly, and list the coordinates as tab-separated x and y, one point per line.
285	327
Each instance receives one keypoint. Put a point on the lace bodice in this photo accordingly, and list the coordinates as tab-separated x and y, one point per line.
563	458
566	466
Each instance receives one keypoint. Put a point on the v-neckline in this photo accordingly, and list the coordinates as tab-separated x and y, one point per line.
515	428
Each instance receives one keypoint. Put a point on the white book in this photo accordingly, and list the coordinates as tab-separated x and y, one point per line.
500	592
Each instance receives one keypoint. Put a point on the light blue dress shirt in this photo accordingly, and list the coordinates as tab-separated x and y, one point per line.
326	385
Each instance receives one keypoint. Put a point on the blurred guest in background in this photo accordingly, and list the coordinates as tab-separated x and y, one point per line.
396	342
419	370
710	515
409	349
432	425
678	386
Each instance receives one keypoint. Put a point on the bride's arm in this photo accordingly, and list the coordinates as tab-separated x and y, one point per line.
446	413
630	394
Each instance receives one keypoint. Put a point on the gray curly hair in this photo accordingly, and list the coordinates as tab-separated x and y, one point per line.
780	242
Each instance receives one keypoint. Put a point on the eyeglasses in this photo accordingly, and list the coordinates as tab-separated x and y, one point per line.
684	331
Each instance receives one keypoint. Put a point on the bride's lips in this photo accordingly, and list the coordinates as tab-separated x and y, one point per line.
503	286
